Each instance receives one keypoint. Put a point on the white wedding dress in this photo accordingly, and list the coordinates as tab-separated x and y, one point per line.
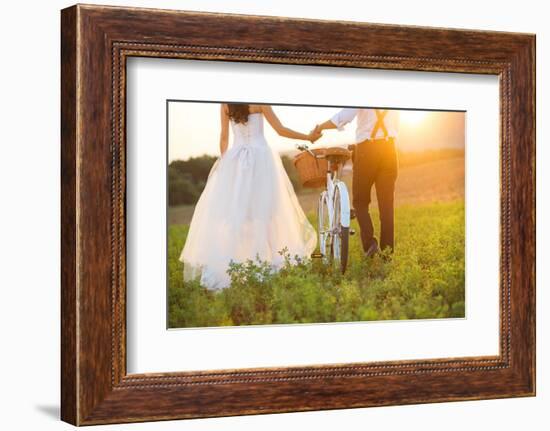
248	209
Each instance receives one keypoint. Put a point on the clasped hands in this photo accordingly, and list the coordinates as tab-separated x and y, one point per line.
315	133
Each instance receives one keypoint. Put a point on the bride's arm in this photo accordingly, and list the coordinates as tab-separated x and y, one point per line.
274	121
224	134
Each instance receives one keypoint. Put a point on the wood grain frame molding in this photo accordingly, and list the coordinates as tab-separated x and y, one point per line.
96	41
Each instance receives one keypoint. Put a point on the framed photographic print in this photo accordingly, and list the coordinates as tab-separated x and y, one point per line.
260	217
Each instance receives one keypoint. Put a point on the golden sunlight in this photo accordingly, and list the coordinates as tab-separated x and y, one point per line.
412	118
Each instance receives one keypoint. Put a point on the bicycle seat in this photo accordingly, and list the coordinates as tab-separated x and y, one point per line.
337	154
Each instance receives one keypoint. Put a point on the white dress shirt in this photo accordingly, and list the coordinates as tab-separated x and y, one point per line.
366	122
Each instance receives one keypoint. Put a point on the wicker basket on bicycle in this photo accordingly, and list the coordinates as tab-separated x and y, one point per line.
313	170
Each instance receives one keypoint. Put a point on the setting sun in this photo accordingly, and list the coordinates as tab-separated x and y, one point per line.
412	117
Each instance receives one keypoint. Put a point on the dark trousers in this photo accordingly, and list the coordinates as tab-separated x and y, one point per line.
375	163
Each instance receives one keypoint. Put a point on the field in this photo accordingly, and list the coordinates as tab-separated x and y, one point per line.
423	279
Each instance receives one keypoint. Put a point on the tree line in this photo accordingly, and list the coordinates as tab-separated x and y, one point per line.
187	178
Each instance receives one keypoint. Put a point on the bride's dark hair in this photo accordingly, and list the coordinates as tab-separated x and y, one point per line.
238	112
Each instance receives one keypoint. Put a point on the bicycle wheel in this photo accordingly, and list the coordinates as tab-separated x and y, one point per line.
323	220
340	240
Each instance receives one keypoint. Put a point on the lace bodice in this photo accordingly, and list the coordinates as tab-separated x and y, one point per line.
250	132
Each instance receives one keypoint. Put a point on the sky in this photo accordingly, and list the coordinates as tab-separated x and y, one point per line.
194	129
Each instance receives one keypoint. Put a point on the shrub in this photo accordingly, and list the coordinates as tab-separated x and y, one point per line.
423	279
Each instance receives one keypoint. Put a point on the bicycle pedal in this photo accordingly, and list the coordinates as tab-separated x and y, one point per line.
316	255
352	214
352	231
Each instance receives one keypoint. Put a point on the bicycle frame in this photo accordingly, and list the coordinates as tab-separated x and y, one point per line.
333	213
333	184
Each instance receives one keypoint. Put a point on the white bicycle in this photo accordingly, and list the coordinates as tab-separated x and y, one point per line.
333	209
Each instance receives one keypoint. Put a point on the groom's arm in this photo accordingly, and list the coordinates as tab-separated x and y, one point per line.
339	120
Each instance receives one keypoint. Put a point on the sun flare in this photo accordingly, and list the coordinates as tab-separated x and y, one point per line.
412	118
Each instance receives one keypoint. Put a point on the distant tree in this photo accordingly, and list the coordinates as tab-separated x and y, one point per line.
187	178
197	167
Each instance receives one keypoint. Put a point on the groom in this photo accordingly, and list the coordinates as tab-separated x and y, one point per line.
374	163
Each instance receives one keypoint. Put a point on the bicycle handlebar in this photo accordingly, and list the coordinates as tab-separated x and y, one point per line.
304	147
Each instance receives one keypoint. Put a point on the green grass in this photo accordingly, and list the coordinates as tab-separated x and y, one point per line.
423	279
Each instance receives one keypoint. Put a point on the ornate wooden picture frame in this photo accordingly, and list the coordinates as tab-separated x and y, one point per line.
96	41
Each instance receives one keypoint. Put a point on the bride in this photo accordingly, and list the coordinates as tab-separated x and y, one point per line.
248	208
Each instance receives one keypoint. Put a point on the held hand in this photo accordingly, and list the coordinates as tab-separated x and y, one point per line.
315	134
